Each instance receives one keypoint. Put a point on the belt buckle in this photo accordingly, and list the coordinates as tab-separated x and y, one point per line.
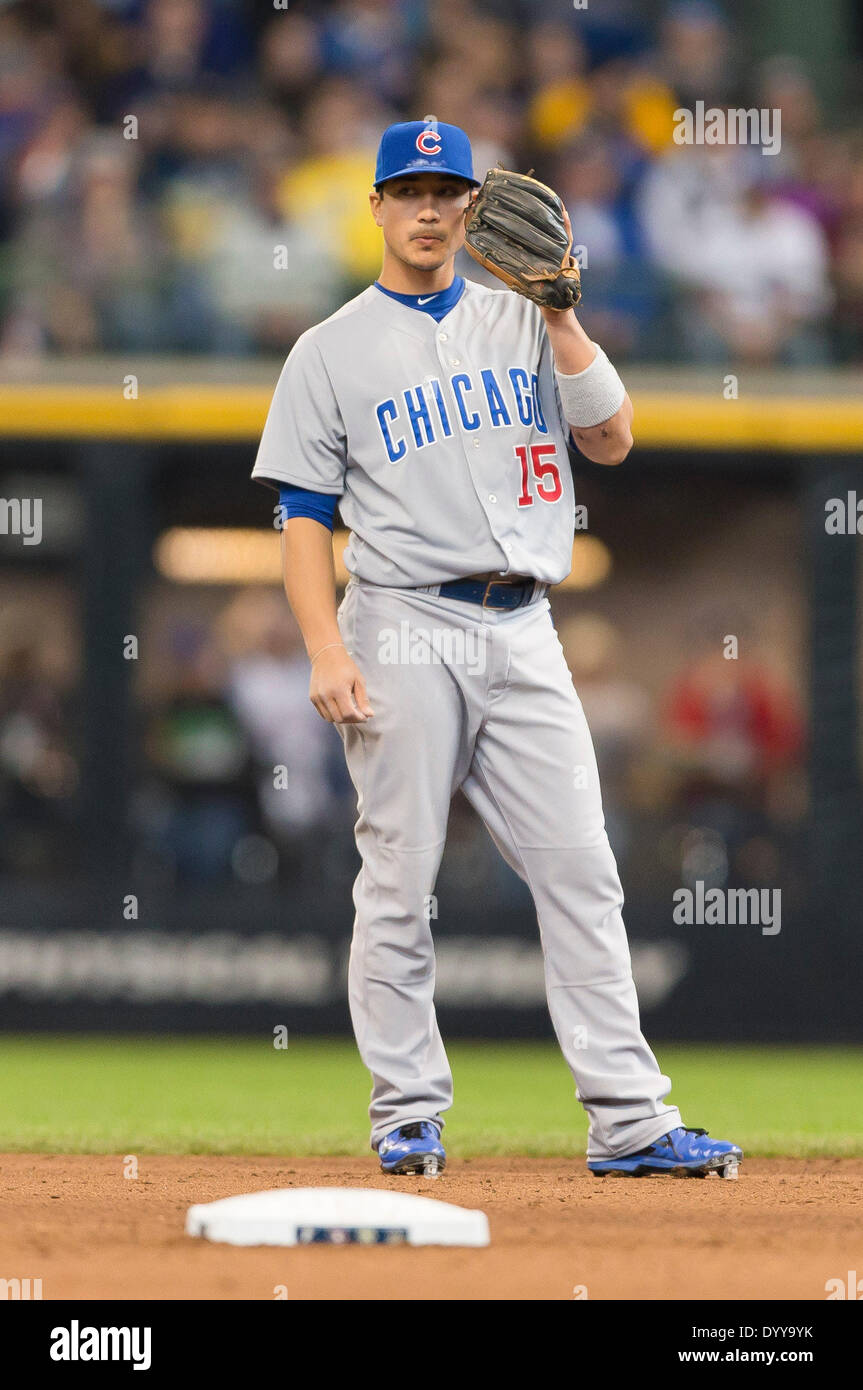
500	583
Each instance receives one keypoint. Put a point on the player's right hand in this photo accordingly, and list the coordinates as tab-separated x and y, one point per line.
337	689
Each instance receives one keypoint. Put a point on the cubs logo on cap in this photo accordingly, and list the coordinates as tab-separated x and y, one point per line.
428	142
427	146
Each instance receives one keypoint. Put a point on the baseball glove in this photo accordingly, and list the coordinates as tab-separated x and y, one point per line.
516	228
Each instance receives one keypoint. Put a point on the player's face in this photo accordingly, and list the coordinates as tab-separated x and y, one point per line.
422	218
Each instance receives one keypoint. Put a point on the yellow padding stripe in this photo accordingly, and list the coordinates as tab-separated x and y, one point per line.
787	423
663	419
160	413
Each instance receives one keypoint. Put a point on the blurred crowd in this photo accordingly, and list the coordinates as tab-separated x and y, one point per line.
237	780
192	175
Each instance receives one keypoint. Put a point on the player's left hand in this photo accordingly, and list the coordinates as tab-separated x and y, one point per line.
548	313
519	229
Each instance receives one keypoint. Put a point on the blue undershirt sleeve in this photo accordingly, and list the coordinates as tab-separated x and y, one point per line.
301	501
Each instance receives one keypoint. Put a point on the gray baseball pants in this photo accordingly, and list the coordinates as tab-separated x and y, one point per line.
482	699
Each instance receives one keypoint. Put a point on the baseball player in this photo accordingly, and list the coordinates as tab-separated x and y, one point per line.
437	413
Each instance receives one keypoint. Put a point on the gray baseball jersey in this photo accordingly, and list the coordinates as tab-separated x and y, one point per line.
454	425
447	446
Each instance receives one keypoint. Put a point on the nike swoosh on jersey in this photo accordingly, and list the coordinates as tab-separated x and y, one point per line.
427	300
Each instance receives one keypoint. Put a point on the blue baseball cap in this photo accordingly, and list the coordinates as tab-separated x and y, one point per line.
420	147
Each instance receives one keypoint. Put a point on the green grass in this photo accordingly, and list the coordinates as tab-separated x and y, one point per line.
216	1095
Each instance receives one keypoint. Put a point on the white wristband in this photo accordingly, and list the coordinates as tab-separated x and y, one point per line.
593	395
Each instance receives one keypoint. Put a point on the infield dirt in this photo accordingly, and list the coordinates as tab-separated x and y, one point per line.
782	1230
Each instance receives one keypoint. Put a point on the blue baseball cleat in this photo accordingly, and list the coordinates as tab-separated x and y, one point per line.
682	1153
413	1148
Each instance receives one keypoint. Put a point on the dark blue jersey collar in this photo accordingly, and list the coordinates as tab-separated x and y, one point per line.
435	304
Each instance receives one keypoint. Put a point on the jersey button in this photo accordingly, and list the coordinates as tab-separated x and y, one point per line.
492	497
507	547
456	361
442	337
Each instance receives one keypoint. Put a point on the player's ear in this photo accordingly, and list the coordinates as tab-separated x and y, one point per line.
375	203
